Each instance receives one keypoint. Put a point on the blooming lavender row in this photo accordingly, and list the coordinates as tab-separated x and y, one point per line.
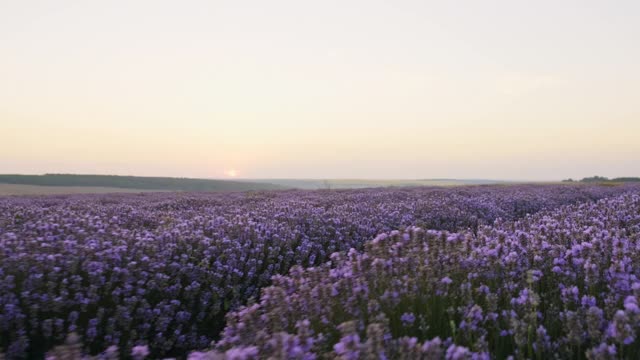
556	285
162	270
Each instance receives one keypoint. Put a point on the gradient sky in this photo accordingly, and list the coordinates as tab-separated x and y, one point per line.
510	89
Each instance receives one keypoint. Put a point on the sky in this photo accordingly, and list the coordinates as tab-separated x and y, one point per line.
521	90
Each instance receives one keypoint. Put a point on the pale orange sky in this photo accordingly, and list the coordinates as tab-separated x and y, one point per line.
333	89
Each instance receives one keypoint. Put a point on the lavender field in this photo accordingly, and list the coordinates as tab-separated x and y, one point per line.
481	272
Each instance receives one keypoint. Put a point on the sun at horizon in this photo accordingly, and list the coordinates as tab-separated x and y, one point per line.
232	173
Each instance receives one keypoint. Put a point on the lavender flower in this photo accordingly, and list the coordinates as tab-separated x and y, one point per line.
173	270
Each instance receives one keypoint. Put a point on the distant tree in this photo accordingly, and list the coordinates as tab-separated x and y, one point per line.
595	179
568	180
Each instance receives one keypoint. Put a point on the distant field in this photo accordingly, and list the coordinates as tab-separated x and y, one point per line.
136	182
310	184
18	189
110	183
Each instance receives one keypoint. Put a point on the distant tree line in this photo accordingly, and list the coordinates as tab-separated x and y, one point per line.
602	179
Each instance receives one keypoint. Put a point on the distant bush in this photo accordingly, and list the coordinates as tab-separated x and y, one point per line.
595	179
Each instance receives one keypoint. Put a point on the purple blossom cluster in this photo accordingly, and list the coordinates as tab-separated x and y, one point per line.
560	284
156	274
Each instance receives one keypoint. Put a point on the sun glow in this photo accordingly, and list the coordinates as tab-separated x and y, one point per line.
231	173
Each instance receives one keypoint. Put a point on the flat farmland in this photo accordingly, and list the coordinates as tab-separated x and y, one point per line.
19	189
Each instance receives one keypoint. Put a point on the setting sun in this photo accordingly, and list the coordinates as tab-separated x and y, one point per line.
231	173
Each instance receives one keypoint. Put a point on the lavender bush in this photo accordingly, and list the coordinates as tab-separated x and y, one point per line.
163	270
562	284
